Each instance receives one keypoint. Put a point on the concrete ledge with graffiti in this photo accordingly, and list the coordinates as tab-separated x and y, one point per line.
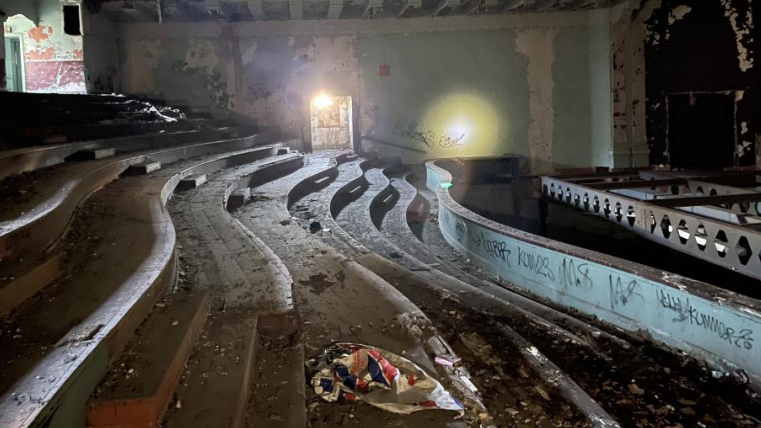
704	321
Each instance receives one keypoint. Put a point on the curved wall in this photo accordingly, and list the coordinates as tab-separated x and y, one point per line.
704	321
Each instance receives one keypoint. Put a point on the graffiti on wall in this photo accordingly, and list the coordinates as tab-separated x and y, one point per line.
258	91
613	295
428	137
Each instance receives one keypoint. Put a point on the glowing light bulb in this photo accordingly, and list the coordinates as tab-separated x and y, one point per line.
322	101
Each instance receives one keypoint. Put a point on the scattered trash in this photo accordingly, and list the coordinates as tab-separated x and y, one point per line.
443	362
174	323
349	372
635	389
285	222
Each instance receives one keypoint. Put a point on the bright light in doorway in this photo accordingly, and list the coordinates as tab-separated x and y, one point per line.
322	101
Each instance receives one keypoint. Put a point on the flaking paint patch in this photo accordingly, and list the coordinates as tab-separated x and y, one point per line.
537	45
678	13
742	26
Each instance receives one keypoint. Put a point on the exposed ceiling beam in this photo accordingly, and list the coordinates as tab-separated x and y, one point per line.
583	4
443	5
212	7
512	5
408	4
373	6
546	5
296	8
472	7
159	14
334	9
256	9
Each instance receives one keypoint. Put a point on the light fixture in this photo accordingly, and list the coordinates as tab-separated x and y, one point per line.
322	101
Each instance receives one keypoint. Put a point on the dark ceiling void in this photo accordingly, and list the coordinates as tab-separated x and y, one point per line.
256	10
702	69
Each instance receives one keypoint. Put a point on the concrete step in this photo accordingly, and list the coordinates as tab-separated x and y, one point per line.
140	384
107	297
25	279
142	168
92	154
280	363
238	198
191	182
215	388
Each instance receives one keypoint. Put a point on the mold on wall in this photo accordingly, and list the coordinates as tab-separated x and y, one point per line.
420	89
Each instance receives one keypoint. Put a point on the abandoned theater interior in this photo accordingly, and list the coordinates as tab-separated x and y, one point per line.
380	213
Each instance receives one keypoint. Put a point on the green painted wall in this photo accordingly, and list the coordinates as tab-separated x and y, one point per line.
449	93
537	86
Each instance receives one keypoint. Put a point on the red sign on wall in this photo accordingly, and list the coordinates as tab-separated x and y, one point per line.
384	70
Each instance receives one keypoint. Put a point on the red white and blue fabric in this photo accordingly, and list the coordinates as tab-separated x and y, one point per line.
350	372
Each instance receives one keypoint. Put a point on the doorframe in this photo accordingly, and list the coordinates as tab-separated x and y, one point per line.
731	92
22	63
354	131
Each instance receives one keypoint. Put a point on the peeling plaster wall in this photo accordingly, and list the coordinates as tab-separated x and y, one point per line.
706	46
53	61
460	86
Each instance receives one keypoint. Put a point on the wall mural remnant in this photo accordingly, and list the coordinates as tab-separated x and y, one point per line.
427	137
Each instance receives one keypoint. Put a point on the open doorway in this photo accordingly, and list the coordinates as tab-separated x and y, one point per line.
14	66
701	130
331	122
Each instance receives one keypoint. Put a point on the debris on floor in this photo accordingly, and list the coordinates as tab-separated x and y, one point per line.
349	372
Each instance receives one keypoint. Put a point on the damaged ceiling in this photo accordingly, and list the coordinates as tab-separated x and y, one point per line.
253	10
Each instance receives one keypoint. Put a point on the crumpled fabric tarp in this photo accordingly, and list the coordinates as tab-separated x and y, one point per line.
349	371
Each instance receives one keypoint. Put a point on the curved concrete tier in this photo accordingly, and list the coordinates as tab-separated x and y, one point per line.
34	231
18	161
357	218
707	322
98	306
323	279
238	274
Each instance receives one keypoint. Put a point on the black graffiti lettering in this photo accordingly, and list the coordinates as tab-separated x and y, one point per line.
742	339
258	91
460	231
492	247
448	141
745	337
410	131
578	276
622	292
428	136
539	265
671	303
